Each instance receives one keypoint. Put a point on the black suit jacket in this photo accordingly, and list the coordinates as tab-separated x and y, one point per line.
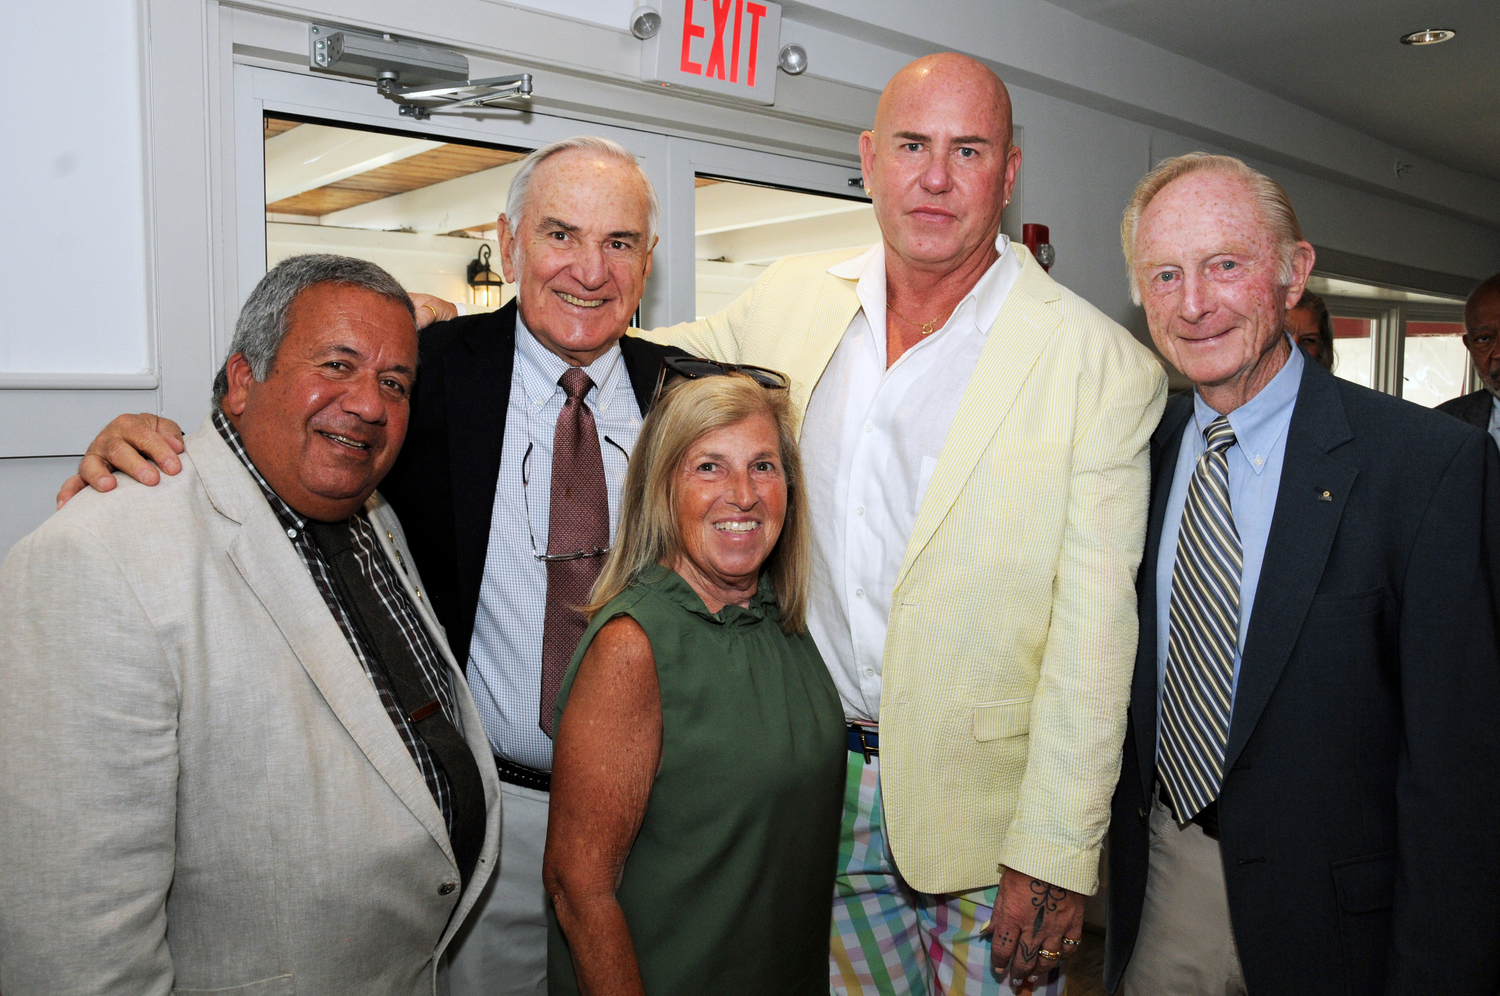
1473	408
443	483
1360	812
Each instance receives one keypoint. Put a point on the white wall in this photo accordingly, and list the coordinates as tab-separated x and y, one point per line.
73	196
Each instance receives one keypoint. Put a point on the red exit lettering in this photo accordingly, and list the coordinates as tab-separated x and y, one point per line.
723	32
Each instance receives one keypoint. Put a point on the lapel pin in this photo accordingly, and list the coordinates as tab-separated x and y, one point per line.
1325	496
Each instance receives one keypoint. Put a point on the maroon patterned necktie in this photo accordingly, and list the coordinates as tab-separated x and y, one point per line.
577	523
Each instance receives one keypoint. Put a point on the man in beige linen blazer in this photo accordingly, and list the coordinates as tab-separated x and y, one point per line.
200	789
1011	634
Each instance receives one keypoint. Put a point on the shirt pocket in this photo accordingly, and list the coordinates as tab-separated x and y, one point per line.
998	720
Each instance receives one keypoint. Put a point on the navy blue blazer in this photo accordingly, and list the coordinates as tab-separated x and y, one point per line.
1360	812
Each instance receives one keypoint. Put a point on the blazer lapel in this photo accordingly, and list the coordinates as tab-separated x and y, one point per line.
270	566
1166	444
478	395
833	310
1309	504
1025	325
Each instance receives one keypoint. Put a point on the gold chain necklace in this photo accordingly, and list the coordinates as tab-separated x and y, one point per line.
925	328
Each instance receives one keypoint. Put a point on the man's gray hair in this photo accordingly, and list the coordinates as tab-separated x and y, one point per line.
520	184
263	320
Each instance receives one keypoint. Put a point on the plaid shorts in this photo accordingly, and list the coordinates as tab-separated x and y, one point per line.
890	939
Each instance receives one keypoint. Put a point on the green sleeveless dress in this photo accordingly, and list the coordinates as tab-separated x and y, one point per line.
728	888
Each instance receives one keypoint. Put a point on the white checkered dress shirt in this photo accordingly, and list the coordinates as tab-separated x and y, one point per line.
378	569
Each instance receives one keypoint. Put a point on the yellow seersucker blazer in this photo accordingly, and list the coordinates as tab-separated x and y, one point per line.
1012	634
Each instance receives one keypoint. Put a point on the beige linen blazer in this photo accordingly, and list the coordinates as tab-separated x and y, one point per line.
199	787
1012	635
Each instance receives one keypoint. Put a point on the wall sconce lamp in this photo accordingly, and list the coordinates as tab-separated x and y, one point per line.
484	283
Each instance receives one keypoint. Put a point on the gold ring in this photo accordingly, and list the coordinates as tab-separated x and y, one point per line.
429	308
1054	955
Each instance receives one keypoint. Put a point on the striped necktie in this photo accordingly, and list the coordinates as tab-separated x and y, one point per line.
1203	635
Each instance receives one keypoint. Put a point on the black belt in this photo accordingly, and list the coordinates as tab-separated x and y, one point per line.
864	740
1207	817
519	774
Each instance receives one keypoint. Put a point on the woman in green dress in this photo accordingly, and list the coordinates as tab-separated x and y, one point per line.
699	758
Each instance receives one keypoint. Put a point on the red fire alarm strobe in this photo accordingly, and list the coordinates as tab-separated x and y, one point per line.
1037	238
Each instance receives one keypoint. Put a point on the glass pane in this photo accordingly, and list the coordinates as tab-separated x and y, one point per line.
742	228
420	208
1351	349
1436	367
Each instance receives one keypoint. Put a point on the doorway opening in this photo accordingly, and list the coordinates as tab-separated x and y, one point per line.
741	228
421	207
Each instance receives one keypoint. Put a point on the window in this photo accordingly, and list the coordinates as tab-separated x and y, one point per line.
1403	342
1436	365
741	228
1352	359
421	207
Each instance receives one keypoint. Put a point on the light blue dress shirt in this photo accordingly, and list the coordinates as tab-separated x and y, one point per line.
505	655
1255	462
1495	421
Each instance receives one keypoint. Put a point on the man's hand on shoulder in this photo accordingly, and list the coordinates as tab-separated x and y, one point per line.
1036	925
143	446
432	309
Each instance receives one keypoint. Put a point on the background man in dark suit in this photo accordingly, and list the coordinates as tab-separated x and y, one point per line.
541	399
1308	798
1482	337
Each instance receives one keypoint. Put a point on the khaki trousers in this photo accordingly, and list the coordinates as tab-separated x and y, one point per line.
1185	946
502	949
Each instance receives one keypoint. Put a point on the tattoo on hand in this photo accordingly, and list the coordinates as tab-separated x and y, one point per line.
1045	898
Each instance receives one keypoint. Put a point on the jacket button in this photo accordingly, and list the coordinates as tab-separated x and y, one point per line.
1141	812
446	889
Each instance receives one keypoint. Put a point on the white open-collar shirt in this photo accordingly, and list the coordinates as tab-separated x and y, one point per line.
870	442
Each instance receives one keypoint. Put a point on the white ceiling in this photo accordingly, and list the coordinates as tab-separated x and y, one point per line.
1342	59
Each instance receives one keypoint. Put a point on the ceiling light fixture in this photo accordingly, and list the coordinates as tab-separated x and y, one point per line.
1428	36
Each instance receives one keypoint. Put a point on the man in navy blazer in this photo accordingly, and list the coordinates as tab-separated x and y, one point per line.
1482	337
1311	807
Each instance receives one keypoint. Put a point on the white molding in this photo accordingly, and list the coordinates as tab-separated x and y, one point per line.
79	382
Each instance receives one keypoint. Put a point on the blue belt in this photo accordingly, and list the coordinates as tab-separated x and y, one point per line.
864	740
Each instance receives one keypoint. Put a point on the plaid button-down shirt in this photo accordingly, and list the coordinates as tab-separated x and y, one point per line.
378	569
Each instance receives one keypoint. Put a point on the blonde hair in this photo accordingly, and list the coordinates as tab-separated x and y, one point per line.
648	535
1275	206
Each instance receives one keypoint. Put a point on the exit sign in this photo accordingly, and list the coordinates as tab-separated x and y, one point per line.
728	47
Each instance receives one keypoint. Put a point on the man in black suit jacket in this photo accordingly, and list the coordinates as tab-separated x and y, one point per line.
577	240
446	476
1334	831
1482	337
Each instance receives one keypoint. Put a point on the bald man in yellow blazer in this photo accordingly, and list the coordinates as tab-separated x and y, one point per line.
1005	668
